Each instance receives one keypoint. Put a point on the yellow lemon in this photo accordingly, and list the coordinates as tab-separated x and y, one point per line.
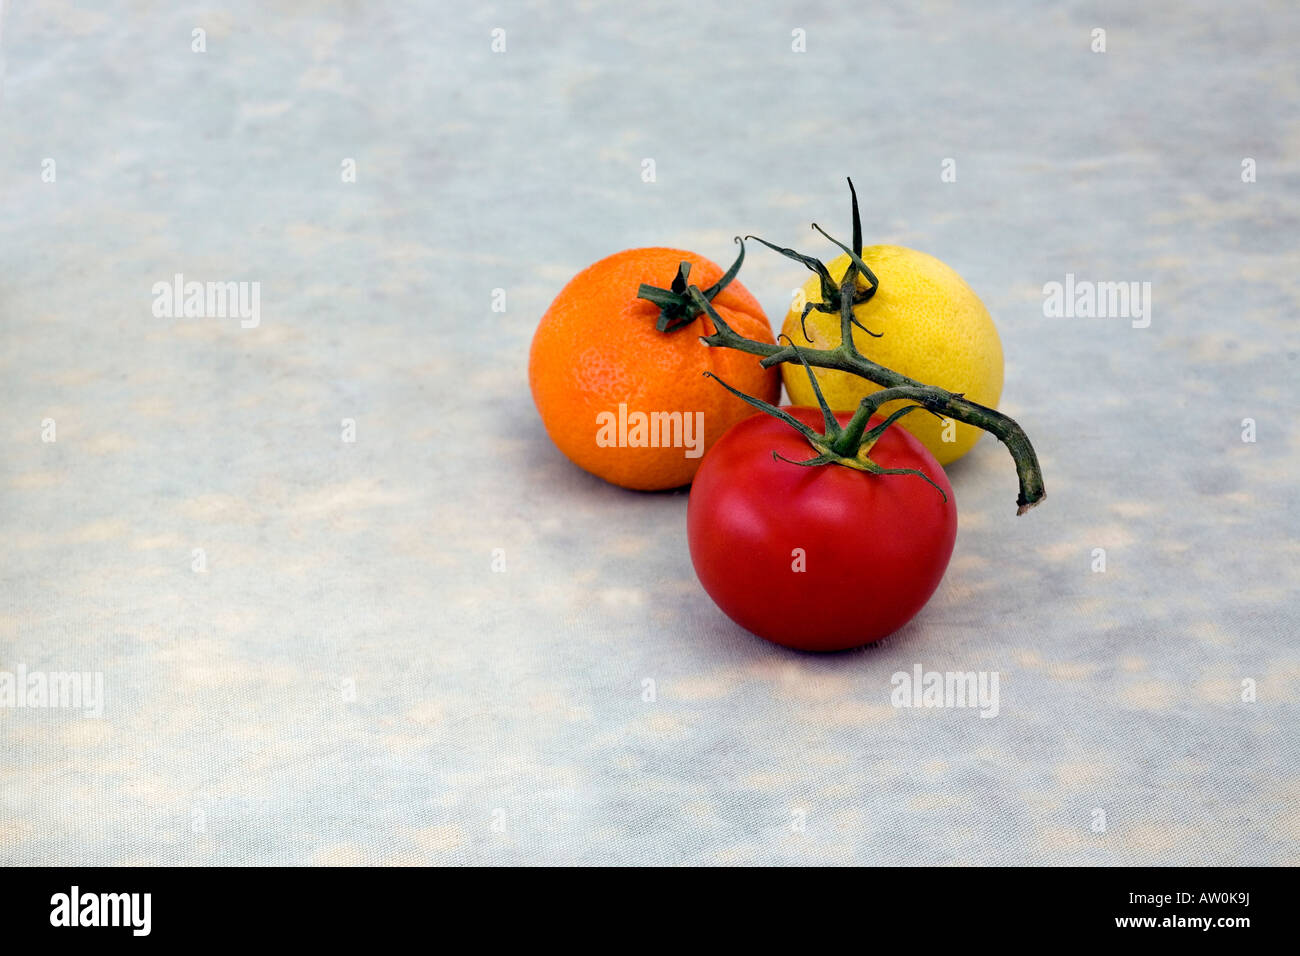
932	328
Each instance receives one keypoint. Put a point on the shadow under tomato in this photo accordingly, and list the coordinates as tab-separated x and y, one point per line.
733	633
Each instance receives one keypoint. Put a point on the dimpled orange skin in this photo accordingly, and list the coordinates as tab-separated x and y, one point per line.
597	347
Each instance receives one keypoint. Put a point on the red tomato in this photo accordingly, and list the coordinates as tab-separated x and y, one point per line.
872	548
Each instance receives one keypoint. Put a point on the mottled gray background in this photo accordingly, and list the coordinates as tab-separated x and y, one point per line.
517	697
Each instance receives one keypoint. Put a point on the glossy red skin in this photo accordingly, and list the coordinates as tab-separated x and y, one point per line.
876	546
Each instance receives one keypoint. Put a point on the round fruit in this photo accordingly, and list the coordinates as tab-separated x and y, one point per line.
627	401
933	328
822	557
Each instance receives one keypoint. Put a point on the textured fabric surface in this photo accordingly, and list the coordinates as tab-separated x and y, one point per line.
348	680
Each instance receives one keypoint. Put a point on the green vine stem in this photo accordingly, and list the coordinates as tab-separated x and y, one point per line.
848	445
845	357
677	308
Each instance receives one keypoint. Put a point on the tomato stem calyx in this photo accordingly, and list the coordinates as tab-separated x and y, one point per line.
677	308
848	445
